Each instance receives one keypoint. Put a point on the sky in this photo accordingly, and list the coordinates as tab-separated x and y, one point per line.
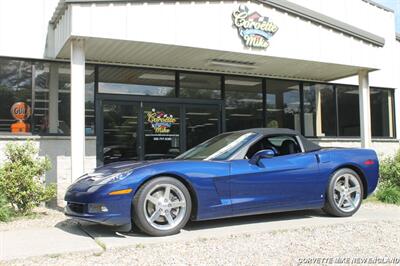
395	5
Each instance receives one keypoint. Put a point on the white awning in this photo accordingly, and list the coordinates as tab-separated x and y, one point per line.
196	59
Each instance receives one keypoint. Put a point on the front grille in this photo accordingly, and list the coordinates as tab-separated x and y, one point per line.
76	207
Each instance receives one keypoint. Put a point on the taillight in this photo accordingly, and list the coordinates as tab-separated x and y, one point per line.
369	162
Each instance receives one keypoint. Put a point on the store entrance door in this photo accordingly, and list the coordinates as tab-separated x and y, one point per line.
162	131
119	131
147	130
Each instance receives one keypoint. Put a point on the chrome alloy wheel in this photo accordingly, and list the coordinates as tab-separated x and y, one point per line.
347	192
164	206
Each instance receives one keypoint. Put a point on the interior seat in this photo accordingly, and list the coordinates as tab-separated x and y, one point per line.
288	147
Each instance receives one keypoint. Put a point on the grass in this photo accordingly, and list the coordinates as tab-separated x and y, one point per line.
101	244
27	216
54	256
389	194
140	246
373	199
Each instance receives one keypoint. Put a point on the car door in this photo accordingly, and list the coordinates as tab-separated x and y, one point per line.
287	181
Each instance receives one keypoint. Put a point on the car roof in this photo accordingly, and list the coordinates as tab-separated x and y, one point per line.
272	131
307	144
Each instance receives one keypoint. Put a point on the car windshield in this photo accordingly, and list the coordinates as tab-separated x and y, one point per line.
220	147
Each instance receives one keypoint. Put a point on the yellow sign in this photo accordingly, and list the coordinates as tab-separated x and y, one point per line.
160	121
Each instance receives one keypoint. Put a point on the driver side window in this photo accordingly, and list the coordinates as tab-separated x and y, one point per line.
281	145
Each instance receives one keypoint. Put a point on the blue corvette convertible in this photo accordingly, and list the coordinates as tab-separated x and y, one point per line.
236	173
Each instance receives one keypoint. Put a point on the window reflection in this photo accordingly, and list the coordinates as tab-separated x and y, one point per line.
15	86
382	118
243	104
202	123
122	80
200	86
120	132
283	104
348	110
319	110
52	101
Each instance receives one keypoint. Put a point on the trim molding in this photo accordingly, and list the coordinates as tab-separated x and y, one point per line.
326	21
378	5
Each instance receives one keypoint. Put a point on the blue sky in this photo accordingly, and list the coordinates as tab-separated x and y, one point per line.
395	5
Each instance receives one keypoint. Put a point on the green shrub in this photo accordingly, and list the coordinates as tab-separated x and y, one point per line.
20	177
390	170
389	188
5	210
389	194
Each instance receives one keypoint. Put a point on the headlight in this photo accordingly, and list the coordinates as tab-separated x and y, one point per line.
115	177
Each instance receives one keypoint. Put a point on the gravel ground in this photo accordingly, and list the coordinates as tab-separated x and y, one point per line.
44	217
341	243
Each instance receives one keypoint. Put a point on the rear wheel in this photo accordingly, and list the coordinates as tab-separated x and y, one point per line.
162	206
344	194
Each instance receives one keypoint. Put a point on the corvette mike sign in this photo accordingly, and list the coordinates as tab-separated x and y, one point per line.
254	29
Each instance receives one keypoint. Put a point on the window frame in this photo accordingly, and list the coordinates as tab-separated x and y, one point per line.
265	80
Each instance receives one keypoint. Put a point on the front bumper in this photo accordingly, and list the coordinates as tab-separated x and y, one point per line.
118	207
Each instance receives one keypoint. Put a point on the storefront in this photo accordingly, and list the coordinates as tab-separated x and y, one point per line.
145	84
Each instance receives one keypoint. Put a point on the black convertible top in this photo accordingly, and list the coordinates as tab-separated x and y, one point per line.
307	144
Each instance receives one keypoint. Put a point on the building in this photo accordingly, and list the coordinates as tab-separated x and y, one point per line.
109	80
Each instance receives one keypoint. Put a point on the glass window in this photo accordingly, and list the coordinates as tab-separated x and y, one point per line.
40	102
202	123
243	103
135	81
89	102
120	132
348	110
200	86
319	110
281	145
161	131
382	118
44	89
220	147
52	98
283	104
15	87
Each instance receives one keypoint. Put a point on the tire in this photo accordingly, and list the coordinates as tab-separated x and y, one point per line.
343	198
158	214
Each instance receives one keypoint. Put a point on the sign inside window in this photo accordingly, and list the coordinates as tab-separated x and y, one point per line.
254	29
21	112
160	122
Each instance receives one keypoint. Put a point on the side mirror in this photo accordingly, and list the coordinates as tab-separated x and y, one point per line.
263	154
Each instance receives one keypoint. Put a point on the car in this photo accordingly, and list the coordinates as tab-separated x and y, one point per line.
237	173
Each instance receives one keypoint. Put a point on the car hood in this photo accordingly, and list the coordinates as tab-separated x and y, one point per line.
97	175
112	168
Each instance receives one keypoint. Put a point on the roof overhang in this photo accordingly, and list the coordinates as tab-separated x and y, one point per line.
284	5
120	52
313	47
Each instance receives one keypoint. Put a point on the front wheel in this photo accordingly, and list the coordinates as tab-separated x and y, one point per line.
344	194
162	206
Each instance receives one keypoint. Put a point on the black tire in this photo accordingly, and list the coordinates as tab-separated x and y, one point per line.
139	216
330	206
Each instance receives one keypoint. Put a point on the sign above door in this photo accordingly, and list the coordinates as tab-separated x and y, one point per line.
254	29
